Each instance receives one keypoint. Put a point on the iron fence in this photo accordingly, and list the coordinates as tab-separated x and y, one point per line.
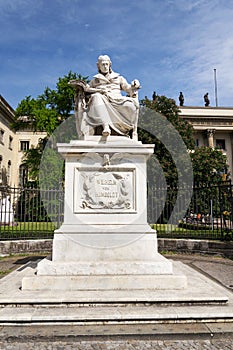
209	214
32	213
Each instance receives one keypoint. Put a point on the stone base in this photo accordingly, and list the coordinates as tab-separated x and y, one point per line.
71	240
134	265
105	243
106	246
105	283
200	291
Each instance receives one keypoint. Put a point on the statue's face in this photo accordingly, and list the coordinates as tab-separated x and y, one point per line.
104	66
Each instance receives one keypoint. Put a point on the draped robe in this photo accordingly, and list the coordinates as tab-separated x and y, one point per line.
107	105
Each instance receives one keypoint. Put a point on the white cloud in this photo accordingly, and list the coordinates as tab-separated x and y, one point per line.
206	44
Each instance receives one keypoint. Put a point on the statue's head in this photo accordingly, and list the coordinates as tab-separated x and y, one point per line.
104	64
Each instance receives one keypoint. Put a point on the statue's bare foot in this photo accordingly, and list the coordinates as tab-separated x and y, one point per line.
106	131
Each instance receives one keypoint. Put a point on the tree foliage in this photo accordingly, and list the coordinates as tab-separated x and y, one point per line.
178	161
45	114
51	169
49	109
169	135
209	165
32	158
167	107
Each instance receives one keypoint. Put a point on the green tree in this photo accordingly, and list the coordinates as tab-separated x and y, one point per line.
167	107
32	158
206	167
51	169
49	109
165	134
210	172
170	169
46	113
209	165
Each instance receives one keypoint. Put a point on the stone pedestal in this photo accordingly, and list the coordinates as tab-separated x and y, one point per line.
105	242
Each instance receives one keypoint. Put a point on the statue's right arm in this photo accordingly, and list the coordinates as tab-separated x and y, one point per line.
78	84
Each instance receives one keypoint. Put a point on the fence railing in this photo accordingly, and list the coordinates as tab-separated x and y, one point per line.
208	215
31	213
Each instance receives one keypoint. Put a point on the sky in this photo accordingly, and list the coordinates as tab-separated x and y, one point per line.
169	45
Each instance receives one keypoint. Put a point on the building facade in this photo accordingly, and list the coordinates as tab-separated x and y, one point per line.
12	147
213	127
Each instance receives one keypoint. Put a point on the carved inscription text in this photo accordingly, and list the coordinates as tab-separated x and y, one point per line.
104	189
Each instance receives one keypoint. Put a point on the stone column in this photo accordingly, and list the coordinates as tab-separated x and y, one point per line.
210	136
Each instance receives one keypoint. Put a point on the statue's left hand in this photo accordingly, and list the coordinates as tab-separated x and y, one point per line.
135	84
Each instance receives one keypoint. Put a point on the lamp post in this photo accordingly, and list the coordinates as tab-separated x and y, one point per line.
215	87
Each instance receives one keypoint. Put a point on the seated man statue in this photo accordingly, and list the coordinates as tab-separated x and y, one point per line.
101	104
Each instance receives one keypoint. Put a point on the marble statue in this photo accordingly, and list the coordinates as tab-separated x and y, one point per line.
101	103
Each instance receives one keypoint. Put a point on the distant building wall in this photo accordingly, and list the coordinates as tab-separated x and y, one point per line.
213	127
12	145
26	140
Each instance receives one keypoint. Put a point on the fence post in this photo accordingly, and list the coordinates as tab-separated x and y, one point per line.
221	210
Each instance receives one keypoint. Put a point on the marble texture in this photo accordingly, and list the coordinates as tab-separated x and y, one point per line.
101	103
203	296
105	242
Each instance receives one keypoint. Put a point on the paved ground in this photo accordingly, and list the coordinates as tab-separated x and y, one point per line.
10	263
218	268
215	267
225	344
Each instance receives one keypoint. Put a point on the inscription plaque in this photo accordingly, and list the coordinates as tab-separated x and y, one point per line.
104	189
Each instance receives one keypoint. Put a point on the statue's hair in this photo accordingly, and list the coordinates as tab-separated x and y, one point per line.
104	58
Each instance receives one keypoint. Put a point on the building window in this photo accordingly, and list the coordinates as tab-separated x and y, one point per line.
23	175
2	136
197	142
0	169
24	145
220	143
8	171
10	142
